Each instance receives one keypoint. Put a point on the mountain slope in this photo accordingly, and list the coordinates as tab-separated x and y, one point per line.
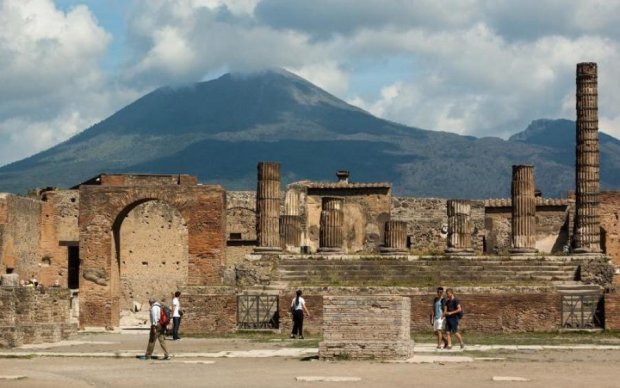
218	130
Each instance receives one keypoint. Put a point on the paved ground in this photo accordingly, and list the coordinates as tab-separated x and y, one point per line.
109	360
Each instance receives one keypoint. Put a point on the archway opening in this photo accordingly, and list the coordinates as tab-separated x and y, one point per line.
151	248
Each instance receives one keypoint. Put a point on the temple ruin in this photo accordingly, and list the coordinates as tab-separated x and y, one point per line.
238	256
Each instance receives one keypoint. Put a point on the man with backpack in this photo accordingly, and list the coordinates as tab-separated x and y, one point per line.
160	318
453	312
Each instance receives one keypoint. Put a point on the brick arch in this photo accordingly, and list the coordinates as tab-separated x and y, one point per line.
149	259
101	207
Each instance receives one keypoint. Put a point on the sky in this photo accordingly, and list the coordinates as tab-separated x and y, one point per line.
473	67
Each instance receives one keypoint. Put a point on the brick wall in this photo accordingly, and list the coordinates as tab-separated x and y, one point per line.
32	315
366	327
506	312
20	233
59	225
314	304
612	310
208	310
610	224
486	310
102	208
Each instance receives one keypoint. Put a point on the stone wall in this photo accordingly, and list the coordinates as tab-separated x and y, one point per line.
552	227
427	223
240	225
209	310
59	229
153	255
365	213
32	315
20	218
366	327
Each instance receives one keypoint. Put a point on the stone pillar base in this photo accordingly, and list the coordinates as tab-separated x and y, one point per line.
267	250
366	350
586	251
393	251
523	251
459	252
330	251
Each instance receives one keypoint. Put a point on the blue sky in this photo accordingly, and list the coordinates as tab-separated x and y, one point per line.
475	67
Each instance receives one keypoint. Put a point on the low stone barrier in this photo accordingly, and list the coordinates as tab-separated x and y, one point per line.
366	327
32	315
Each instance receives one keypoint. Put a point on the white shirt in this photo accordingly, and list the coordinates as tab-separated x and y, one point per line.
155	314
301	304
176	305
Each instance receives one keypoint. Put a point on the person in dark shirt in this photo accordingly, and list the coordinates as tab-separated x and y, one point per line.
452	314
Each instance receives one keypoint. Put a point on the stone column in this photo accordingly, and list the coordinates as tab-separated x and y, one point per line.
331	227
586	236
268	207
523	210
395	238
459	228
290	232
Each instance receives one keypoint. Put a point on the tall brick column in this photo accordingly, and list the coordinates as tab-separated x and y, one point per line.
523	210
268	207
395	238
459	228
586	236
290	232
331	226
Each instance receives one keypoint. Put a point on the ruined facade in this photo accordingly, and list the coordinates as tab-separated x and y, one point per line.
122	238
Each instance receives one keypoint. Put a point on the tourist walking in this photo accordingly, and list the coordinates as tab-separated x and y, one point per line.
298	309
453	313
437	319
177	314
158	330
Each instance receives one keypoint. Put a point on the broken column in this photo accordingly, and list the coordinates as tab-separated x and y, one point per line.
395	238
290	232
268	207
331	225
586	236
523	210
459	228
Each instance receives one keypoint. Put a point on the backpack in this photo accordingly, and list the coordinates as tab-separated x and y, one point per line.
461	313
164	315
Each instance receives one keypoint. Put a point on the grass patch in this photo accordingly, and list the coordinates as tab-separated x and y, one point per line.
305	343
532	338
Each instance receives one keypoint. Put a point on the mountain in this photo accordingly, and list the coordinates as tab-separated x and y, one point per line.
218	130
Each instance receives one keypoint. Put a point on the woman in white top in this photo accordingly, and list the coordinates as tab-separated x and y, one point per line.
298	308
176	316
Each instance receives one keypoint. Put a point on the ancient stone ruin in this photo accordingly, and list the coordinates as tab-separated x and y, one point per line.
238	257
366	327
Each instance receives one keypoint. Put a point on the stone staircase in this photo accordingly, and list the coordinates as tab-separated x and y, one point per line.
426	272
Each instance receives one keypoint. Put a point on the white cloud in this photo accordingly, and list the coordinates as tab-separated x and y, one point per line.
51	77
328	76
473	67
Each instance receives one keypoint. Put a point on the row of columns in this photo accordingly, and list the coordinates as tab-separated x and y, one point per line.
274	230
586	236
